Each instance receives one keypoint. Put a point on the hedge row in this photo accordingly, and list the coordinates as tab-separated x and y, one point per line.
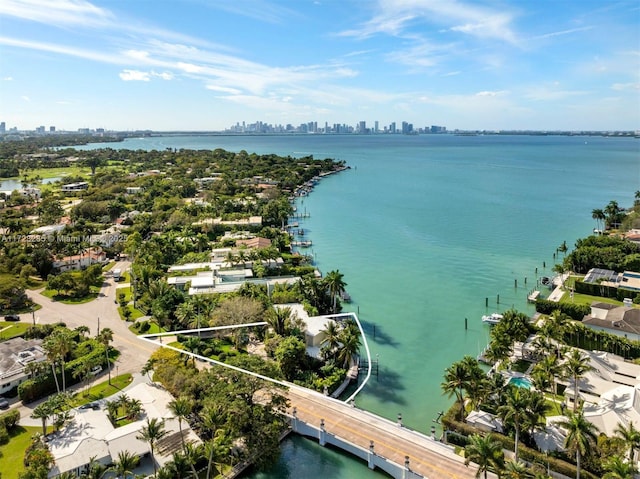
575	311
33	389
594	289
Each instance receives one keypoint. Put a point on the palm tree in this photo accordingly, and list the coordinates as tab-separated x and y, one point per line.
581	435
350	345
152	432
631	437
576	366
43	411
105	337
277	318
95	470
331	339
177	468
516	470
335	283
185	312
599	216
216	450
486	452
61	342
456	379
181	408
618	468
125	464
515	411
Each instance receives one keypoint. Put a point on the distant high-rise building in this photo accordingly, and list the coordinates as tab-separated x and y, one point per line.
392	127
362	127
376	128
52	129
40	130
3	127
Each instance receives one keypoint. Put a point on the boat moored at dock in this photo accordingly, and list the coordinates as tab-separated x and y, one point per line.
493	318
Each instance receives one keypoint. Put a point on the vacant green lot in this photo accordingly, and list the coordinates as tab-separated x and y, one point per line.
12	455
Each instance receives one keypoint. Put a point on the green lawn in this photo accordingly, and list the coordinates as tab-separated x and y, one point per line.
12	329
102	390
64	299
127	293
135	313
586	299
153	329
12	455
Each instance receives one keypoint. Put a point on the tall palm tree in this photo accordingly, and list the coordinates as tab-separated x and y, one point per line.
181	408
152	432
335	283
576	366
631	437
581	435
486	452
105	337
514	411
60	342
125	464
618	468
456	380
598	215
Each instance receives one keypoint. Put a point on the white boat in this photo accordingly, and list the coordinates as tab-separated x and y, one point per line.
493	318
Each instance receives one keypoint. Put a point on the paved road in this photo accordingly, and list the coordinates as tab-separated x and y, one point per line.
427	457
99	313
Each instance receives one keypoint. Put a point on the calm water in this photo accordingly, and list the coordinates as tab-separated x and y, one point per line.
424	229
13	184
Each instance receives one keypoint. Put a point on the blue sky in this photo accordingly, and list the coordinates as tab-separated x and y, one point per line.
207	64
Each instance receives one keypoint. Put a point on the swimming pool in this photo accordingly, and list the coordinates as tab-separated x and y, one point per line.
520	382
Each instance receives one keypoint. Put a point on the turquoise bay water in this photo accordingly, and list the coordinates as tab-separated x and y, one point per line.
426	229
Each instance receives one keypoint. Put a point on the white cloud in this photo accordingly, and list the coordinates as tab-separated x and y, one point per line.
394	17
7	79
56	12
233	91
134	75
625	86
163	75
25	98
563	32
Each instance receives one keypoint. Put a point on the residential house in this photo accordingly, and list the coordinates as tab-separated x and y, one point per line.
15	355
619	320
91	436
75	187
80	261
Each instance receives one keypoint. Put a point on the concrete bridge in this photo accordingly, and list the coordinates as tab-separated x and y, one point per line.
382	444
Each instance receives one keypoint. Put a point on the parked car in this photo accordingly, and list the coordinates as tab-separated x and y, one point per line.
4	404
12	317
96	370
92	405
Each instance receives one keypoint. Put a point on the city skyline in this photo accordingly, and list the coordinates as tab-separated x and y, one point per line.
192	65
